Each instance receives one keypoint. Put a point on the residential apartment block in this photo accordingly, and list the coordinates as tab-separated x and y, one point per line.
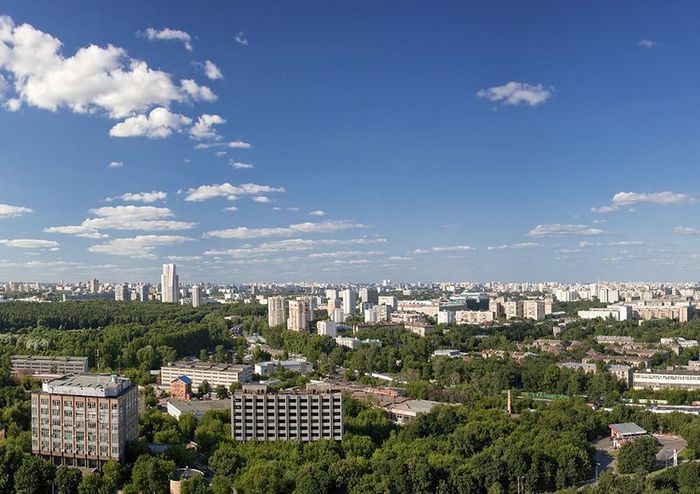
214	374
292	415
25	365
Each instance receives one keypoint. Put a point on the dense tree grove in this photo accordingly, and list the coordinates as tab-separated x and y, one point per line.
470	445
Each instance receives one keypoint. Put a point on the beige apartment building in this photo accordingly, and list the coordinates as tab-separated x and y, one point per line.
27	365
84	420
291	415
214	374
276	311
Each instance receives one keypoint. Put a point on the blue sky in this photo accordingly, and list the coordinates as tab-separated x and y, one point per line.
432	140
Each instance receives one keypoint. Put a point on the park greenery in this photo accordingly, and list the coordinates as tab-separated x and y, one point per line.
469	445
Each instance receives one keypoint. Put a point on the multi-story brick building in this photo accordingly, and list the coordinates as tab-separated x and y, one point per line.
84	420
299	415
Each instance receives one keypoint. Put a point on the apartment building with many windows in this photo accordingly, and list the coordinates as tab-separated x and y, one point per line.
291	415
84	420
199	371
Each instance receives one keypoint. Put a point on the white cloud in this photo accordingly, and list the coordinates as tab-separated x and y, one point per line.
204	127
231	208
292	245
232	144
228	190
8	211
262	199
604	209
239	145
147	197
685	231
514	93
77	230
293	209
141	246
197	92
559	230
94	79
318	212
158	124
400	258
168	34
212	71
521	245
237	165
29	243
299	228
344	253
647	43
665	198
116	164
444	248
241	39
126	218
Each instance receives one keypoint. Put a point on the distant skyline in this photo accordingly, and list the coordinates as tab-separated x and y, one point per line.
328	141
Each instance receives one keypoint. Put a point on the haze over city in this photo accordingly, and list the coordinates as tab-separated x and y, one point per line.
348	142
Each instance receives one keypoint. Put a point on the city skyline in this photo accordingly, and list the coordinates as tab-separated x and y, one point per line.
310	142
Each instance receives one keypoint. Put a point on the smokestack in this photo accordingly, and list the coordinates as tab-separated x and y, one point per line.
510	402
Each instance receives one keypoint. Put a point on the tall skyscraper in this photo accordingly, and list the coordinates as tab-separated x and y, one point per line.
169	284
298	319
196	296
349	301
275	311
94	285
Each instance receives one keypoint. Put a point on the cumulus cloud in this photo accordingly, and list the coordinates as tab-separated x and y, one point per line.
29	243
559	230
197	92
299	228
604	209
685	231
237	165
168	34
158	124
665	198
212	71
228	190
521	245
647	43
94	79
231	208
516	93
8	211
444	248
147	197
241	39
141	246
204	127
147	218
116	164
262	199
318	212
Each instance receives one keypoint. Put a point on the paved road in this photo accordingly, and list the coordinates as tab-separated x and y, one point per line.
668	444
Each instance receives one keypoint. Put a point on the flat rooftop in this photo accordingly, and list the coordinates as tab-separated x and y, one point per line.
197	406
46	358
99	385
204	366
628	429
